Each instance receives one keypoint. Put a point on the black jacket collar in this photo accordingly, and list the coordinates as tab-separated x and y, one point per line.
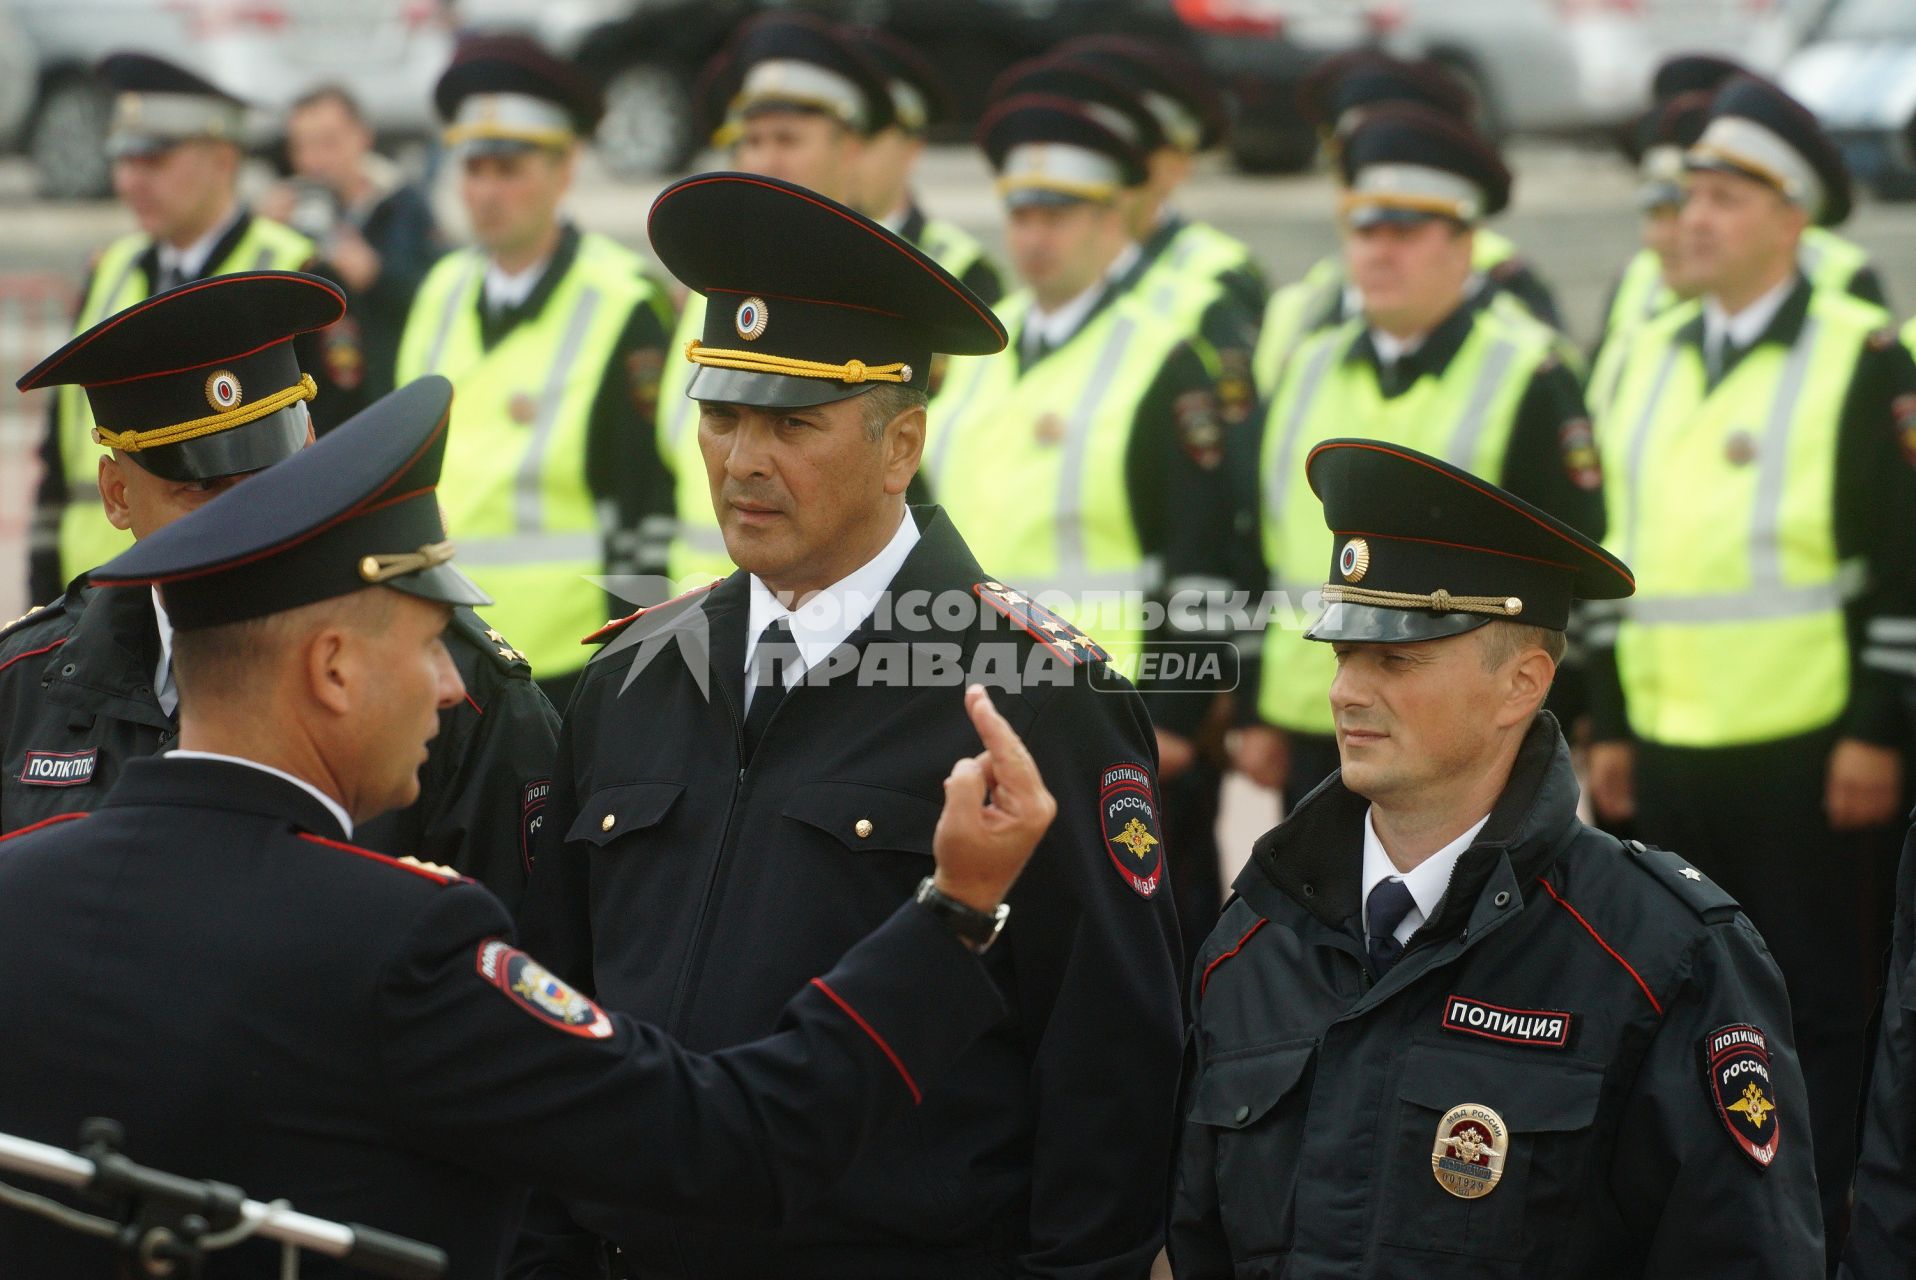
1316	857
1432	356
108	662
913	228
1784	328
1153	246
494	328
215	264
216	784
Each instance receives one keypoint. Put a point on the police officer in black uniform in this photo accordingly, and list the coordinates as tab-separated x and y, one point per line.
747	779
1445	1029
1882	1232
207	959
200	388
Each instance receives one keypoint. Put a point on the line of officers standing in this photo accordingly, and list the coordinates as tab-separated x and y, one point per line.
1744	438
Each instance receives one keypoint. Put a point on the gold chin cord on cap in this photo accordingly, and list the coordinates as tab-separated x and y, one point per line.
1438	601
380	568
759	362
180	432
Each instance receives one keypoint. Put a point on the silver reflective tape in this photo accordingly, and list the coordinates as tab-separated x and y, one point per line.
1639	443
456	301
1766	519
1310	380
515	550
1471	423
1765	604
528	503
1068	511
1899	662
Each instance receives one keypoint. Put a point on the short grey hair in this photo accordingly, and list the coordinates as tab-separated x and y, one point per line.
224	661
1503	640
886	401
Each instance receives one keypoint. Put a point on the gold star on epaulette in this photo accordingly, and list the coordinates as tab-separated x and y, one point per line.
1690	873
494	636
512	655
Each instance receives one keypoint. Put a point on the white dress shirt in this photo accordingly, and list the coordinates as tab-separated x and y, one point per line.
1057	327
169	697
1426	882
191	261
1747	325
826	620
332	806
509	289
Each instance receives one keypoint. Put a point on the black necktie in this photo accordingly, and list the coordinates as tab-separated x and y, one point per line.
776	653
170	278
1384	910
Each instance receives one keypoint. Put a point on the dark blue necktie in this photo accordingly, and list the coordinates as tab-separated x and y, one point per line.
1384	910
776	653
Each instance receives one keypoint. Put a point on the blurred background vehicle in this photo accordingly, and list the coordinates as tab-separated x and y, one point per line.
387	52
1857	72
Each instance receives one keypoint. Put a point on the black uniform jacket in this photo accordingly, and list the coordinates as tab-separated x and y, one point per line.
692	891
1882	1236
77	703
206	960
1611	1006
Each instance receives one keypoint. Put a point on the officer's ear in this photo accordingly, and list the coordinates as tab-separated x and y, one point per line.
904	447
112	481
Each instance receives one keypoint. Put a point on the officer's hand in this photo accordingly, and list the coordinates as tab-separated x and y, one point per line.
996	811
1613	787
1262	753
1865	787
1176	753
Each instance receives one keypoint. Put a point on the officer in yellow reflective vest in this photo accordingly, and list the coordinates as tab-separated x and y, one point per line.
794	99
1181	254
554	340
1335	96
920	100
1760	455
1423	365
1651	282
1086	459
175	140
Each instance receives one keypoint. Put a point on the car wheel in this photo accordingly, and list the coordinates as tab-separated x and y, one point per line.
647	129
67	141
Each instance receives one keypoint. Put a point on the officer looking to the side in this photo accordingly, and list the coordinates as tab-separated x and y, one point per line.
177	143
799	101
1446	1030
556	339
207	959
1424	362
199	389
1748	705
732	807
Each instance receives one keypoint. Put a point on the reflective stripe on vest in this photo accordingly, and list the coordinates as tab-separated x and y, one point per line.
1288	317
1466	417
1720	500
513	485
1031	464
86	539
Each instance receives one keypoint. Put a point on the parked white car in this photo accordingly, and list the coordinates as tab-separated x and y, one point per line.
1858	74
267	52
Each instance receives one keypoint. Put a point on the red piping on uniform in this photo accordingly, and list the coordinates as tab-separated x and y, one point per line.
32	653
44	822
343	847
1205	981
916	1095
475	706
1627	967
1455	546
1493	495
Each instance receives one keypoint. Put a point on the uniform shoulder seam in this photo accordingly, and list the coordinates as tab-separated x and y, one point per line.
423	872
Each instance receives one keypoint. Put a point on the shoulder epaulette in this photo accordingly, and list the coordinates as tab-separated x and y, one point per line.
424	870
617	625
1700	893
483	637
38	614
1044	626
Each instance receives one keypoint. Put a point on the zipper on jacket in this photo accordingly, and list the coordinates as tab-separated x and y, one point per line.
695	953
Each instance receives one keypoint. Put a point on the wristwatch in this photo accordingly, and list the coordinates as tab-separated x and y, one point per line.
979	928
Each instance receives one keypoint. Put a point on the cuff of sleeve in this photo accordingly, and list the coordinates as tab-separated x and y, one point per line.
910	964
1874	714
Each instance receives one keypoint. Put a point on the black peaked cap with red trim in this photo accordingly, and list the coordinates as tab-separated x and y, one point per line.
796	36
1410	525
804	294
518	64
1753	98
130	72
899	60
202	352
1366	78
1107	98
1692	73
1406	134
1156	66
360	508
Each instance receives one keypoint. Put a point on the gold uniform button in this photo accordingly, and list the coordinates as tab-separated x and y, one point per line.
605	823
863	827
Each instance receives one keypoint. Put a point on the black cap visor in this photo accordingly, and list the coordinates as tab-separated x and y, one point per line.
1372	624
233	452
769	390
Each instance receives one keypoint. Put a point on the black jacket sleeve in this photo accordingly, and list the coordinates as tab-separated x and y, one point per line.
1875	496
1551	460
983	278
1868	285
1882	1237
1519	279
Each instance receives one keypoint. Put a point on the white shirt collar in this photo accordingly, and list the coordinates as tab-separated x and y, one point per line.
1391	349
826	620
1059	326
509	289
895	221
1426	882
190	262
163	689
1747	325
332	806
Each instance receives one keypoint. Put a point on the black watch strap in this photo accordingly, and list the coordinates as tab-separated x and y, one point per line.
979	928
